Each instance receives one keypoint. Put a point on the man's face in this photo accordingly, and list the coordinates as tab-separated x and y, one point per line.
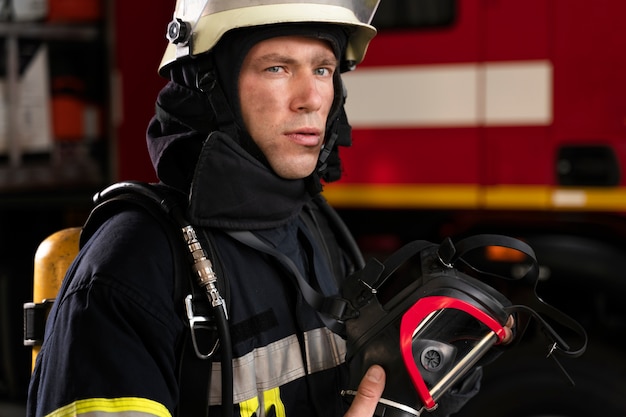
285	93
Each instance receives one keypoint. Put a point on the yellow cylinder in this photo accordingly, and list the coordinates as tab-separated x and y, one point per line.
52	259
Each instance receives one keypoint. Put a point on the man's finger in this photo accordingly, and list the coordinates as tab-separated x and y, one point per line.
508	330
369	392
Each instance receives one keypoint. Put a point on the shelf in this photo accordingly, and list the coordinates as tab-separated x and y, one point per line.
17	172
51	31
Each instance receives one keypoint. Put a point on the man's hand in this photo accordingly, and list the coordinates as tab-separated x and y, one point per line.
369	392
373	383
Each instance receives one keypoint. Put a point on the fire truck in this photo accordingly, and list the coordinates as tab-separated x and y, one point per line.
509	117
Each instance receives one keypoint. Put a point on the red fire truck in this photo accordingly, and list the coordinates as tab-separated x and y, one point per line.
503	116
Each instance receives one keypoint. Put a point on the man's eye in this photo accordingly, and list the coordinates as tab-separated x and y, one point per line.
273	69
322	71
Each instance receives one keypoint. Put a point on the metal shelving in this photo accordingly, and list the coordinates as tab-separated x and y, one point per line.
17	173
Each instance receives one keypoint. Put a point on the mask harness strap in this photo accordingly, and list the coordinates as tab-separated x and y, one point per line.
534	307
376	273
332	309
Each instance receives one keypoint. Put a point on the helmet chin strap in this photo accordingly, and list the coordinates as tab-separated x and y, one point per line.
340	134
325	151
206	81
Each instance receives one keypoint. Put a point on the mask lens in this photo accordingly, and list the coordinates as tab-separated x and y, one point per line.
441	339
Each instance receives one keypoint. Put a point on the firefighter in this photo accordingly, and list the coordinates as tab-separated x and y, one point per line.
247	127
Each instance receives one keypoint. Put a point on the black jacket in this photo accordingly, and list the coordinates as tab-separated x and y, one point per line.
115	327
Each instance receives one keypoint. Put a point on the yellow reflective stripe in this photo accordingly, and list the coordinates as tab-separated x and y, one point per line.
127	407
272	397
249	407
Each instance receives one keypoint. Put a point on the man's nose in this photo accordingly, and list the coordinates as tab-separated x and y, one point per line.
306	93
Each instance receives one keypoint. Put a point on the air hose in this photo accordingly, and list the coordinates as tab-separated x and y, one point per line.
207	279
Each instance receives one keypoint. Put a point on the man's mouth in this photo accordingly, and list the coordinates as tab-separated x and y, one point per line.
305	137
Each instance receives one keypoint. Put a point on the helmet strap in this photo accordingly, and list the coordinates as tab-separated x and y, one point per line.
206	81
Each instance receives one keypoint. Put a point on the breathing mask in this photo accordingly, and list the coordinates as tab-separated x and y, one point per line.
427	318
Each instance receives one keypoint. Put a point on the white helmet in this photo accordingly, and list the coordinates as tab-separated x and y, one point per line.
199	24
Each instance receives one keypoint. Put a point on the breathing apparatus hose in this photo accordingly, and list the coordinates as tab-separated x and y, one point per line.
227	362
207	279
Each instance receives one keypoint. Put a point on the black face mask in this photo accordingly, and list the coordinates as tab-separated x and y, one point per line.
432	325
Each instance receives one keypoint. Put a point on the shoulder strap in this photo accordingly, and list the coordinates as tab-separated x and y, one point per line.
167	205
155	199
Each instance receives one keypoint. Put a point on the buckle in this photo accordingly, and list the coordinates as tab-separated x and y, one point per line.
35	317
202	328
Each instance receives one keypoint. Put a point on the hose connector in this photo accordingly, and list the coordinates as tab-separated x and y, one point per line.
203	268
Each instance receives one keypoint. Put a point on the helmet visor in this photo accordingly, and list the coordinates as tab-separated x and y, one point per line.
363	9
206	21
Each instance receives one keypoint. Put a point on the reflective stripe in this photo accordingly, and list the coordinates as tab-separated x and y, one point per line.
324	349
271	397
126	407
279	363
266	367
249	407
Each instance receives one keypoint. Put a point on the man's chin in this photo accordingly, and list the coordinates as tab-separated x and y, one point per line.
294	173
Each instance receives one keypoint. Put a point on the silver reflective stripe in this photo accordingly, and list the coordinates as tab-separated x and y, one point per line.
278	364
324	349
363	9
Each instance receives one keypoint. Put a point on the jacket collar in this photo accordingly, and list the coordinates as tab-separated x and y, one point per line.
233	190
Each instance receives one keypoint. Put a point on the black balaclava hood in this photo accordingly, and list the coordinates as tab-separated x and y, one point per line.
202	96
